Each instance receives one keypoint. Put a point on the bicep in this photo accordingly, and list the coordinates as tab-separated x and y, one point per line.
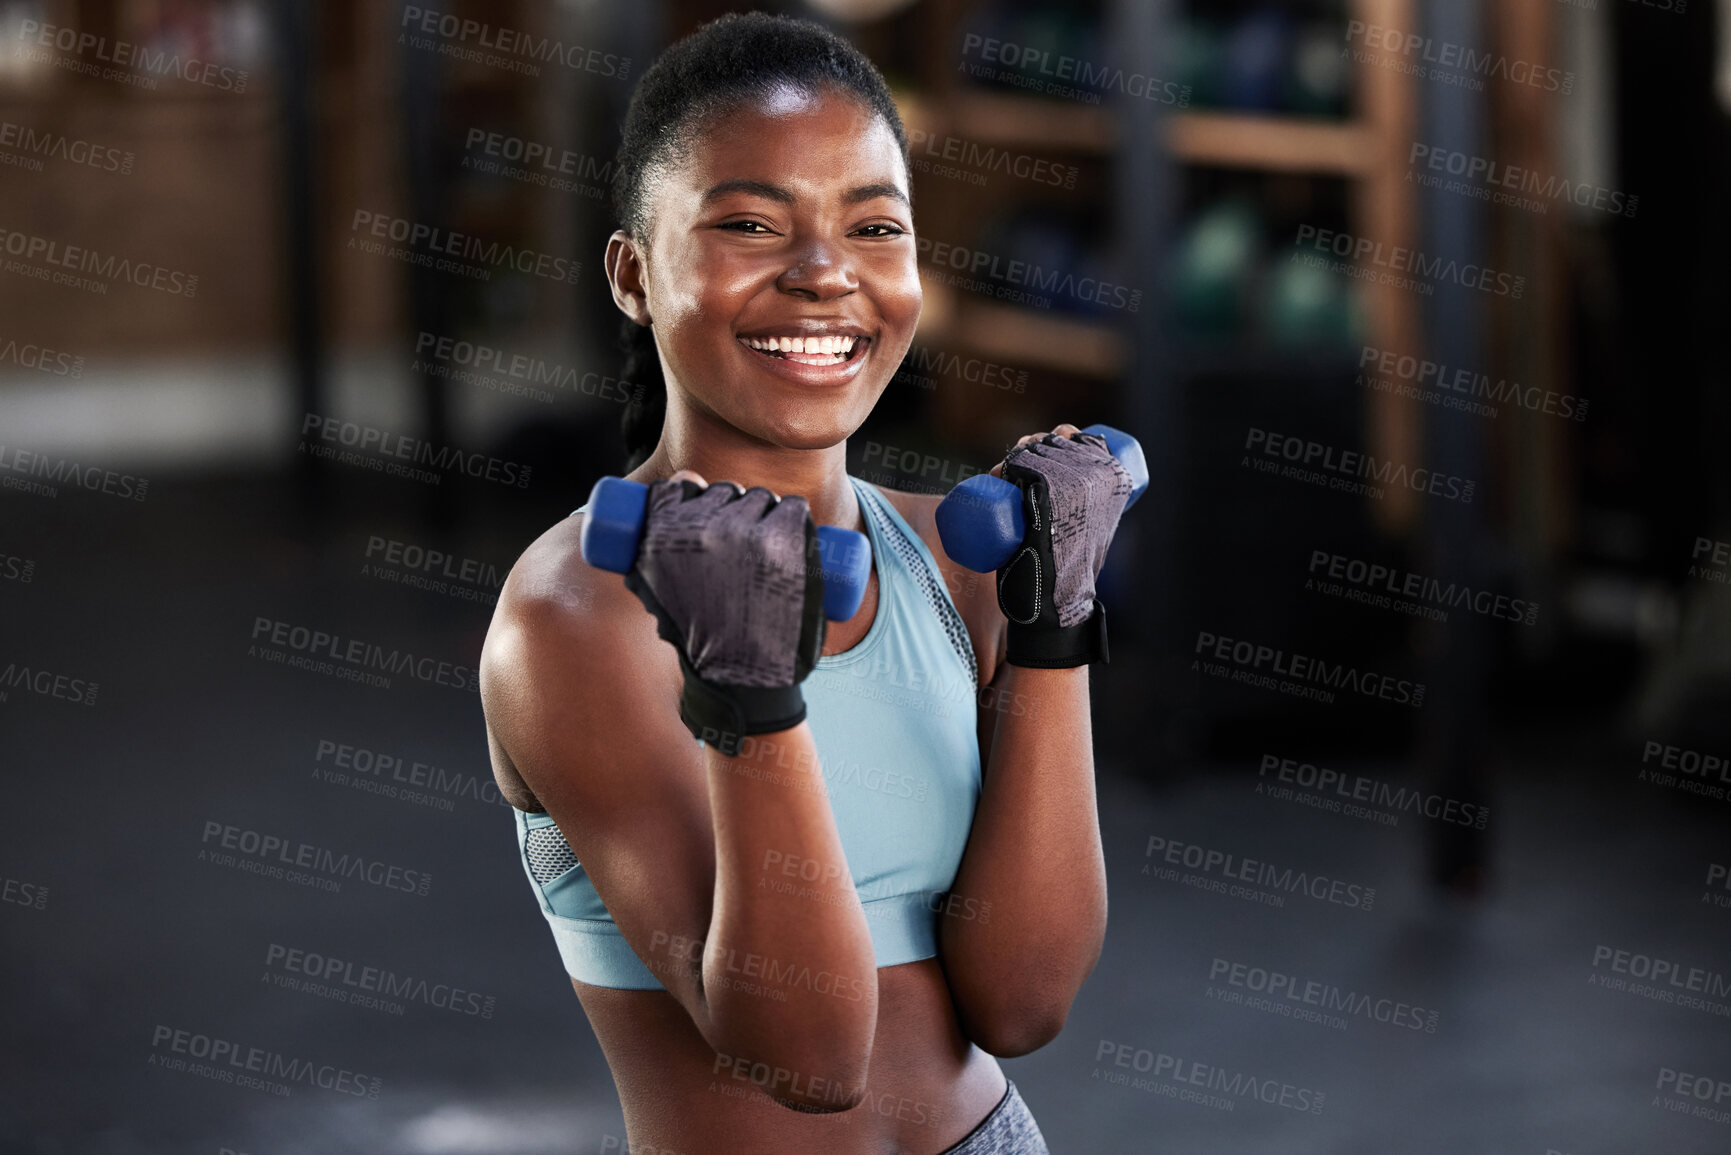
585	715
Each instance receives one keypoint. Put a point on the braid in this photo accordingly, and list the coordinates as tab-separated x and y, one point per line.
723	64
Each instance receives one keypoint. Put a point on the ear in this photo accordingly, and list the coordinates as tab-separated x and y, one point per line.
625	273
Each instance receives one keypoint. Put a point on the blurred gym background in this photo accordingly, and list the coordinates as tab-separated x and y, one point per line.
1482	239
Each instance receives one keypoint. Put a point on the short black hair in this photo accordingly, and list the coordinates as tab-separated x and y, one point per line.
725	63
732	59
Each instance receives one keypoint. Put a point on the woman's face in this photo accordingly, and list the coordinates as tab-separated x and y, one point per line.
789	219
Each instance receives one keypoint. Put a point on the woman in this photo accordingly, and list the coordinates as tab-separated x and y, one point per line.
797	914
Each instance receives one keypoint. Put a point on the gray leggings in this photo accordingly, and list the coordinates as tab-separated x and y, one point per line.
1009	1130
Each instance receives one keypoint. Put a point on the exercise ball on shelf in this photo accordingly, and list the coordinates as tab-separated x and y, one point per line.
1213	268
1317	81
1303	305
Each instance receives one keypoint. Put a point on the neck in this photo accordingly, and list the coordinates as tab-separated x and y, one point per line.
717	452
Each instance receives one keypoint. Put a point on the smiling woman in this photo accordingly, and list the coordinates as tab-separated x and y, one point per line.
819	937
753	218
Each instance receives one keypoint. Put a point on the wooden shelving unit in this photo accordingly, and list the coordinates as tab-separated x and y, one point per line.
1272	143
1020	336
1365	149
1010	119
1368	149
1226	139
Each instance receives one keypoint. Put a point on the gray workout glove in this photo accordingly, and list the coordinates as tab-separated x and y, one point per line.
1073	492
733	582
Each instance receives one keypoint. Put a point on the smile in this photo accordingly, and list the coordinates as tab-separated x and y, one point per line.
831	350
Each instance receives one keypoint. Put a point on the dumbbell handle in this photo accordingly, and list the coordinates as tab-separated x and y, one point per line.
613	527
980	522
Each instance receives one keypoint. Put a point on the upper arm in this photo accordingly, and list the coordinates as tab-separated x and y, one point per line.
576	687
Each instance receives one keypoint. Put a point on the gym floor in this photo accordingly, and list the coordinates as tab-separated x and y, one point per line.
110	804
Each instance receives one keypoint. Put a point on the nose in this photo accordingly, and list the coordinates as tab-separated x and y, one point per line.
819	270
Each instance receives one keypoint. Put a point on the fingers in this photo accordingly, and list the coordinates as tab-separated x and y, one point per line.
1065	446
1064	430
757	498
790	511
735	488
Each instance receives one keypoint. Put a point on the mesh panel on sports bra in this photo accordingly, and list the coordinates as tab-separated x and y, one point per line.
549	854
954	628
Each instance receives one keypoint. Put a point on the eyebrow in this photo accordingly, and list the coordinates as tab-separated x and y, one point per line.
853	196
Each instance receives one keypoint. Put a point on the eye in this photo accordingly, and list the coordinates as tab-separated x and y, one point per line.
891	230
741	227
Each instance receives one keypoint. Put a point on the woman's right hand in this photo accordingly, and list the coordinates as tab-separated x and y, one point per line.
732	578
725	571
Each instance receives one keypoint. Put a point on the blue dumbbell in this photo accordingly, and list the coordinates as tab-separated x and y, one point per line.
980	521
614	525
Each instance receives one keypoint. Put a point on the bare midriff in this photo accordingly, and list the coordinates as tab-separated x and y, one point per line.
927	1086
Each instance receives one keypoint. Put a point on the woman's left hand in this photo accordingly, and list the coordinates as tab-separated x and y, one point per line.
1064	430
1074	492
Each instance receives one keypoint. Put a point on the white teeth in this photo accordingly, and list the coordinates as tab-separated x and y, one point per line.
806	346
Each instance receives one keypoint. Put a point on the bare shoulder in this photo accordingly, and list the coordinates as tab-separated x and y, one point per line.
550	583
570	654
975	594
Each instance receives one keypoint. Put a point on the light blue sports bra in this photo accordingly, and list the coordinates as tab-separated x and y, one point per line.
893	721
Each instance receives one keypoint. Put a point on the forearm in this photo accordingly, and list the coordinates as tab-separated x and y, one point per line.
788	969
1034	856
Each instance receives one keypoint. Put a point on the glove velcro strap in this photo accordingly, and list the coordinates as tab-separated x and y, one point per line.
1059	648
722	715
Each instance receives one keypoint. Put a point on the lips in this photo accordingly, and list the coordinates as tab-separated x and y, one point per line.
804	359
810	349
